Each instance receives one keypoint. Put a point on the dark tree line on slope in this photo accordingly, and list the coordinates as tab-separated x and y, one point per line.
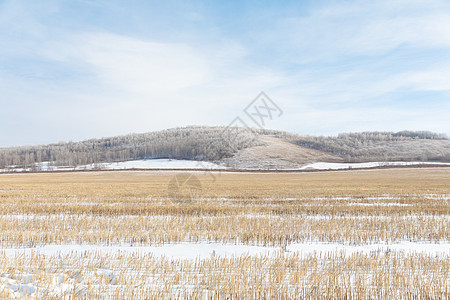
381	146
194	143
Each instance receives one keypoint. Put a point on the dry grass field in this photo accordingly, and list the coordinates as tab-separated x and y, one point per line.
286	213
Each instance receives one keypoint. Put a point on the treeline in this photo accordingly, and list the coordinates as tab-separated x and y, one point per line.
216	143
194	143
425	135
382	146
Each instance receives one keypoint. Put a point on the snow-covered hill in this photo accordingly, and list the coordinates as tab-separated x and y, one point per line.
204	147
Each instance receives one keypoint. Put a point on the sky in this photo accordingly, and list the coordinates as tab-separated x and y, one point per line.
79	69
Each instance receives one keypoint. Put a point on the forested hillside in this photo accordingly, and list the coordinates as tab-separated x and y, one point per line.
194	143
234	146
381	146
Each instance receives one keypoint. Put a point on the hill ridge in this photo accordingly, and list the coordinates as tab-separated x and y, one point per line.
236	147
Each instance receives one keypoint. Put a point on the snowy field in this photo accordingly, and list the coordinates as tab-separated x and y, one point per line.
147	164
203	271
120	235
343	166
153	164
204	250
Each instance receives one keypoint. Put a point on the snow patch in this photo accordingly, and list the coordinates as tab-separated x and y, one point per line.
206	250
343	166
145	164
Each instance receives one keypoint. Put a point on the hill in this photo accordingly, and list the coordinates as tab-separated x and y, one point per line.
238	148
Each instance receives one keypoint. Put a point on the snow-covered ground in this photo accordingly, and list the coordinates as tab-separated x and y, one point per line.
146	164
154	164
150	164
341	166
205	249
103	272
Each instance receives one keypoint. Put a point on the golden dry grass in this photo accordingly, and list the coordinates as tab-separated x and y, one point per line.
269	209
388	275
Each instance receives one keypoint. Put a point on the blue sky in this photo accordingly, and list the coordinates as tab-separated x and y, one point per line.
71	70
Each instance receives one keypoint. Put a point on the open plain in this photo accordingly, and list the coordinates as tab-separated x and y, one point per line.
134	235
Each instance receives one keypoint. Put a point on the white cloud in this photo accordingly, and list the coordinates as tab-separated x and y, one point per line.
358	52
428	80
327	71
122	84
144	66
134	65
367	28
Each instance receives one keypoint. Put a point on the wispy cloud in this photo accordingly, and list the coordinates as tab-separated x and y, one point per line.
363	54
367	28
138	66
72	71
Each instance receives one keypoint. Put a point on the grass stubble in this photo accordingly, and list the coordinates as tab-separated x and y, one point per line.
267	209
